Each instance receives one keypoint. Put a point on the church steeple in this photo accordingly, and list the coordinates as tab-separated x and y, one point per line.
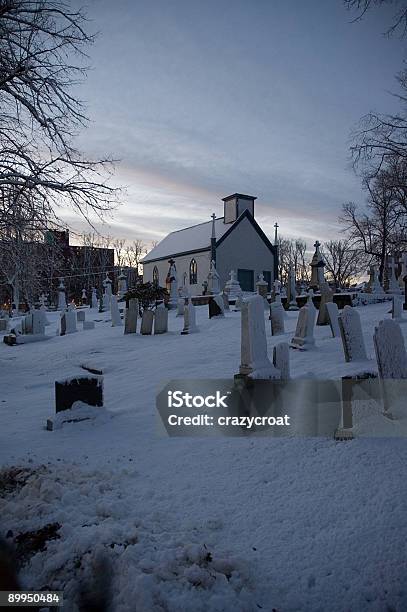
235	204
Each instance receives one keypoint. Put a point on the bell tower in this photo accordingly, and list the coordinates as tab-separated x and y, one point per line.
234	205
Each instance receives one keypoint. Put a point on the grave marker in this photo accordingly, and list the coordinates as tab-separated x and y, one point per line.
352	335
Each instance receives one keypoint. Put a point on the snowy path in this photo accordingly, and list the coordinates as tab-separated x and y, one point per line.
309	524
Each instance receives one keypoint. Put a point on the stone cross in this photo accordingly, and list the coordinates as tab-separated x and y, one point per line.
254	361
352	335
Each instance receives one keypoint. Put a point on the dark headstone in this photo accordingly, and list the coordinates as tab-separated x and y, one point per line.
214	309
86	389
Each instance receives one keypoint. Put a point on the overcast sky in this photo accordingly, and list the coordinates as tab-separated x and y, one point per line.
203	99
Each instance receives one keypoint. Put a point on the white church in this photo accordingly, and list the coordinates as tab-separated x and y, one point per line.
234	241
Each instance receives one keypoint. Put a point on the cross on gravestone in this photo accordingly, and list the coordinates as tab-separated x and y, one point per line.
254	361
277	319
160	320
190	326
281	359
352	335
147	319
232	287
130	319
216	307
333	314
391	360
304	331
115	312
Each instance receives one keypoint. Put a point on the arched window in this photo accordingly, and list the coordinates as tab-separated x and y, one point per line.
193	272
156	277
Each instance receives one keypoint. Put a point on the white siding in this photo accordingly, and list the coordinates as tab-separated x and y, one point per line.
182	265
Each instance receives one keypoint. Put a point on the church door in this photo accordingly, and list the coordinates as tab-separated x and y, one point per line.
246	279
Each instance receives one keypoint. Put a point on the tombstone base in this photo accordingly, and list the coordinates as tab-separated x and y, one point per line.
342	434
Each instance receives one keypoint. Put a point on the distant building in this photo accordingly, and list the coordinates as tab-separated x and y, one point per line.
236	242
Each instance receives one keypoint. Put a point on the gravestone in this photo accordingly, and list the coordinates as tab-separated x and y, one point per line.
190	326
232	287
304	331
376	288
85	389
67	323
88	325
27	324
225	301
121	285
160	320
254	361
180	306
397	308
38	322
80	316
391	362
3	325
390	350
107	286
130	319
239	303
277	319
291	290
84	297
215	305
94	298
147	319
213	280
262	286
326	297
333	314
115	312
281	359
61	295
394	287
352	335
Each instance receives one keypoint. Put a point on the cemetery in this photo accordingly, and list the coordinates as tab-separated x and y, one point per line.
81	407
203	391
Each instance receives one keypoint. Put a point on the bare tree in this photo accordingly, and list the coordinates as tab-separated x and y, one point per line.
135	253
293	253
343	262
40	41
399	21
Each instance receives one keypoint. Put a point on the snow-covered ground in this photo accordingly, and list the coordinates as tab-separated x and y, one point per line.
200	524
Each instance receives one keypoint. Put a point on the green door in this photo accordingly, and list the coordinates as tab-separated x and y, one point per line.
246	279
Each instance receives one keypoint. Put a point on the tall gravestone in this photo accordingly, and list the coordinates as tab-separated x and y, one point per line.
394	287
352	335
190	326
281	359
114	312
291	290
397	308
333	315
277	319
147	319
94	298
254	361
107	286
304	331
326	297
130	321
213	280
160	320
391	362
61	295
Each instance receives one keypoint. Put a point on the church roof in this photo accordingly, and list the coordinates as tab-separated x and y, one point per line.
188	240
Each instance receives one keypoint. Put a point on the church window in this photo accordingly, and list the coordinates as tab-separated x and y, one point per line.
193	272
156	277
